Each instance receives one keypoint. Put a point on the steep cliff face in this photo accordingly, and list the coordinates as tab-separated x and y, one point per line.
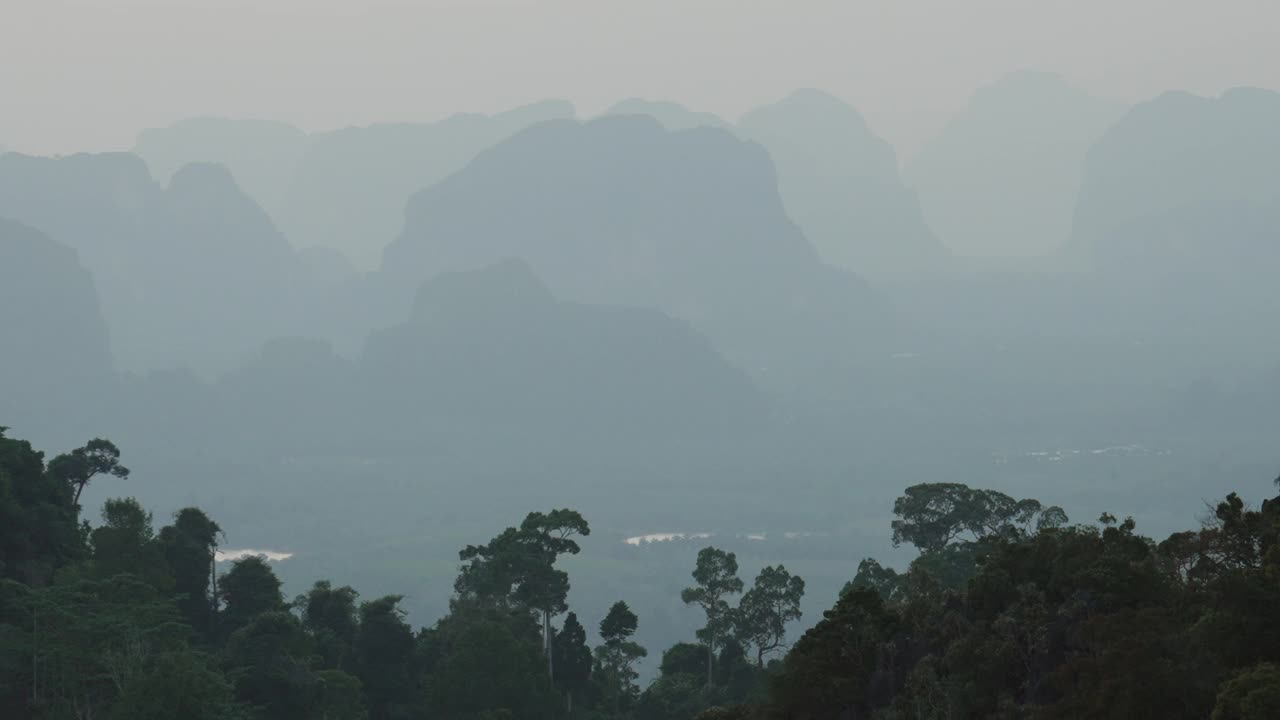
490	358
620	211
350	186
1185	184
191	275
56	366
1001	179
840	184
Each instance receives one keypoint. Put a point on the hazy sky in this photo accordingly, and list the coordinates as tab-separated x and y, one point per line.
87	74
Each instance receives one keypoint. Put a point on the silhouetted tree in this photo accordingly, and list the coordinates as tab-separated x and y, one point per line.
716	575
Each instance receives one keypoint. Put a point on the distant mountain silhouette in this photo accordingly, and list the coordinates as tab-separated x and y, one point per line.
672	116
193	275
325	268
491	359
350	186
1002	177
1186	186
295	390
56	363
98	205
262	155
619	211
221	275
488	362
840	183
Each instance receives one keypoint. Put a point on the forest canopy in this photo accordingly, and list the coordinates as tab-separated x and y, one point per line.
1008	611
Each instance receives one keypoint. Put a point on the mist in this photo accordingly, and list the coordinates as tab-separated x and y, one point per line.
657	361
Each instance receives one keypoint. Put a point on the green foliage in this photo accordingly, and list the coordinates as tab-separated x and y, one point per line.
268	661
572	659
189	545
177	685
615	672
125	543
341	696
249	589
933	515
716	575
517	568
1059	622
1253	694
384	658
329	614
1007	612
39	523
684	658
872	575
619	624
78	467
764	611
832	666
481	660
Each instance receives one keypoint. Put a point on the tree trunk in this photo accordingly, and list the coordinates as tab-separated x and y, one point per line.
546	642
35	655
710	656
569	702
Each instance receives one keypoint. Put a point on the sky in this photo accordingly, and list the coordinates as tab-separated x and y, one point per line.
89	74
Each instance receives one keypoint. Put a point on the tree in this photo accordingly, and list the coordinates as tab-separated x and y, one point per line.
619	624
249	589
764	611
177	685
828	671
329	614
518	566
482	660
39	522
126	543
78	467
885	581
572	659
543	587
932	515
384	659
88	638
341	697
716	575
617	656
190	545
1253	694
268	661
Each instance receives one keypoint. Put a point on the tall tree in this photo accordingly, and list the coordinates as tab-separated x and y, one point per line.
481	660
190	545
764	611
573	659
269	661
384	650
543	587
249	589
518	566
126	543
618	654
933	515
329	614
884	580
78	467
176	685
829	670
39	521
716	575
